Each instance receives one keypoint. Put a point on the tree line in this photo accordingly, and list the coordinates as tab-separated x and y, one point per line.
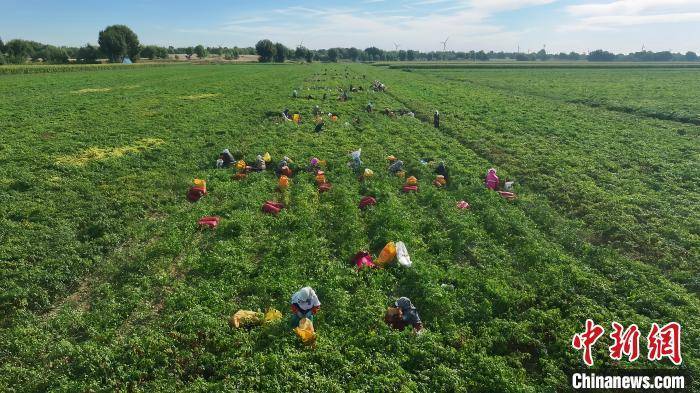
117	42
114	43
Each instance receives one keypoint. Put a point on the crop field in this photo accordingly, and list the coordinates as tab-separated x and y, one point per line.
106	283
667	94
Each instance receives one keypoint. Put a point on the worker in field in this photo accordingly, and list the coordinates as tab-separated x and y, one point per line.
396	167
286	115
403	314
442	170
491	180
305	304
436	119
259	164
319	124
295	94
225	159
316	110
369	107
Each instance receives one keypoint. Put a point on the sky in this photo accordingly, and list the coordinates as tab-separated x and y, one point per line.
620	26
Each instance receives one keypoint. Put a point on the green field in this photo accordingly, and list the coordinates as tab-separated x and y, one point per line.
107	284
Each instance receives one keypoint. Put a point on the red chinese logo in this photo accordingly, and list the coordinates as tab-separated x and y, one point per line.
586	340
625	342
665	342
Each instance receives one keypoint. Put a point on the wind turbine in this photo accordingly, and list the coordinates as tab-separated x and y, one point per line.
444	43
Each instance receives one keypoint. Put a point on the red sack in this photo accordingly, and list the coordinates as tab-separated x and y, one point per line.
363	259
286	171
195	193
408	188
323	187
209	222
272	207
367	201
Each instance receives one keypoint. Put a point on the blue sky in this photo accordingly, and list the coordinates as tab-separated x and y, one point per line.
561	25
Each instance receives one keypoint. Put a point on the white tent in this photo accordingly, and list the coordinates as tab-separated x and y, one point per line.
126	61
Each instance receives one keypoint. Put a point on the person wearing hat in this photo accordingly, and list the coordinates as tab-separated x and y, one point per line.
305	304
407	315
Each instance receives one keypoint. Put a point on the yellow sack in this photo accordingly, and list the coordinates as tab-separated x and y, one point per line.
296	118
267	157
369	172
305	331
272	315
240	165
243	318
320	178
283	182
401	174
387	255
412	181
200	183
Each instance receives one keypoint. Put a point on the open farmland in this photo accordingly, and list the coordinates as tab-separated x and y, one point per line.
107	284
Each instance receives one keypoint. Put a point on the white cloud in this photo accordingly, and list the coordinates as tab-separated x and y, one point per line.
467	23
623	13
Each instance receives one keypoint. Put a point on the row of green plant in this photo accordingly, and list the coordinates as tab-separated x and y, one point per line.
147	307
628	179
665	94
42	69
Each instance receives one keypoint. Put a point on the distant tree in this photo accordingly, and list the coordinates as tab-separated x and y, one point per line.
266	50
189	51
54	55
2	46
403	55
481	56
280	53
300	53
88	54
411	55
118	41
522	57
200	51
234	53
574	56
542	55
18	51
601	55
171	50
353	54
374	53
663	56
148	52
309	56
691	56
332	55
